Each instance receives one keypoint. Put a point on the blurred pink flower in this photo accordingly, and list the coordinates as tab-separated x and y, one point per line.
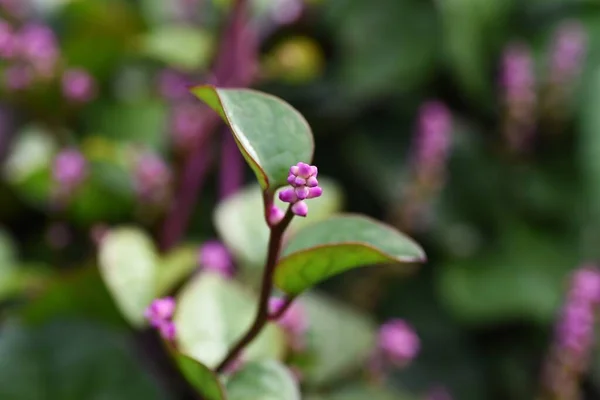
398	342
214	257
78	85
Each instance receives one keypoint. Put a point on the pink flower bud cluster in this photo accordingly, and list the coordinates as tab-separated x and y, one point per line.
69	169
574	334
519	91
518	79
214	257
433	140
294	322
152	178
160	315
303	179
32	53
568	53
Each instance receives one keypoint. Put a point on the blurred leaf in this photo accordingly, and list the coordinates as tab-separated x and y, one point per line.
23	279
128	263
270	133
28	164
363	392
241	223
174	267
183	47
334	352
79	294
212	314
70	361
296	60
529	265
105	195
384	47
338	244
97	34
202	378
473	29
265	380
141	122
8	255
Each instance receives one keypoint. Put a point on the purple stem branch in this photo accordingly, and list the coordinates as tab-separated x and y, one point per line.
231	170
195	172
262	314
226	71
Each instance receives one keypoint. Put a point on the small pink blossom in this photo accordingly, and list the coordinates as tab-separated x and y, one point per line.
69	169
398	342
214	257
78	85
294	321
160	314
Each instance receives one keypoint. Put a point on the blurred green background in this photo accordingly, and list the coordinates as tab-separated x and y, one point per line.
502	231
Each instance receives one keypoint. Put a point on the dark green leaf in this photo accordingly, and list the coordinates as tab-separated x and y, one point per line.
71	361
270	133
337	244
201	377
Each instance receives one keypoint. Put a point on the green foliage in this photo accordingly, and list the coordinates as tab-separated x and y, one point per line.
230	310
266	380
128	263
270	133
194	47
335	354
60	360
201	377
337	244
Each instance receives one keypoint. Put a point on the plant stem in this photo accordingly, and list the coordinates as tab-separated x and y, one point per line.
262	314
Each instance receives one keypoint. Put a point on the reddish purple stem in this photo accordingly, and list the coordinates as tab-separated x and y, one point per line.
232	166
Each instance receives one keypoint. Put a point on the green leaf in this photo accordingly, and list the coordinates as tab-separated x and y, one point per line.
128	264
174	267
80	294
201	377
397	55
334	354
363	392
337	244
70	360
28	164
8	255
270	133
184	47
529	265
143	121
213	313
245	231
266	380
